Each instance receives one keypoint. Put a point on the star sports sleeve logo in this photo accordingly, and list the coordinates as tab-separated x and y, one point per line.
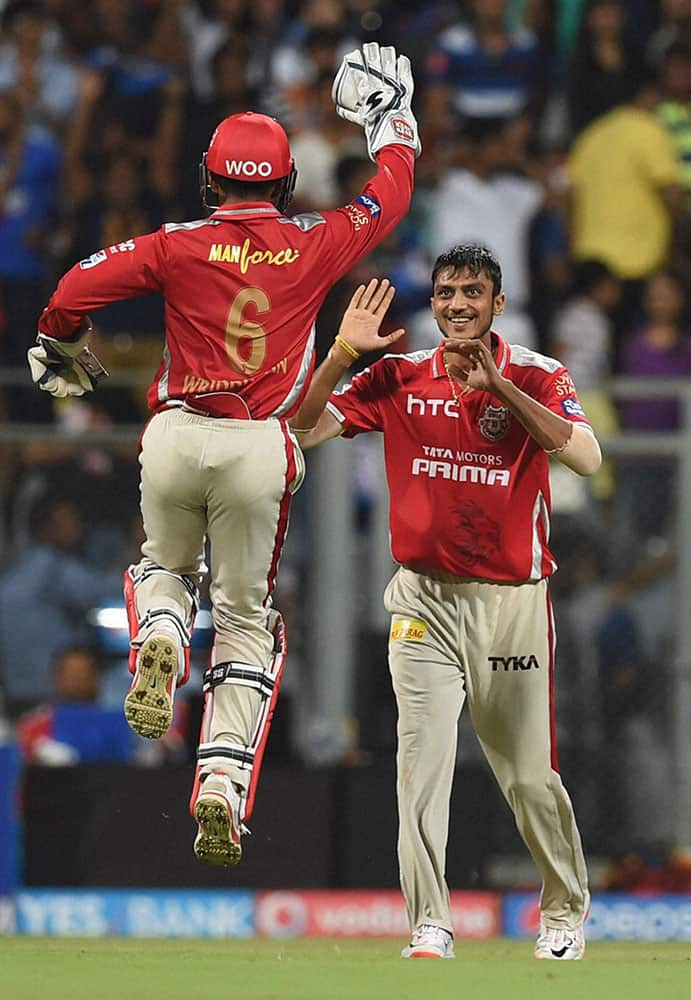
563	385
572	408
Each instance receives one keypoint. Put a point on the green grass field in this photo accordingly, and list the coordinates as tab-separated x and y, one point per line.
326	969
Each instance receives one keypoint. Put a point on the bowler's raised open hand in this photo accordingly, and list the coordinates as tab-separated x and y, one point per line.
363	317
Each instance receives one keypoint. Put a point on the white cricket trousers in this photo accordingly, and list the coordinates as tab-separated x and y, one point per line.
230	480
492	644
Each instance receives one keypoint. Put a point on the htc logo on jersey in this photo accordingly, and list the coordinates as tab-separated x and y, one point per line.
506	663
422	407
460	473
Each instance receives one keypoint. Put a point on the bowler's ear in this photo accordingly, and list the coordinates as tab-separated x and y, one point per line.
499	304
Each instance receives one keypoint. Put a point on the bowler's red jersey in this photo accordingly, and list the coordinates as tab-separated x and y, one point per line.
469	487
242	290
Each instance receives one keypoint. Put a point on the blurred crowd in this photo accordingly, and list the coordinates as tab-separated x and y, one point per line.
556	132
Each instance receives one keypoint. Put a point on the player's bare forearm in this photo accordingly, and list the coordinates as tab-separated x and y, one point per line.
307	423
327	427
472	365
574	445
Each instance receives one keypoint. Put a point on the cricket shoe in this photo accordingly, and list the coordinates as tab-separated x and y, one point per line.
559	943
217	811
429	941
149	702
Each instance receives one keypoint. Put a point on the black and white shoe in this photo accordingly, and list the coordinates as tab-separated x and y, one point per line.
560	943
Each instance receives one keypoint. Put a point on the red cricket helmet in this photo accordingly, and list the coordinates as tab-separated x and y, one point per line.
250	148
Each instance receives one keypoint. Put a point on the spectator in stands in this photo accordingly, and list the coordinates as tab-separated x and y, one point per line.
582	335
44	598
582	338
207	28
625	688
660	349
550	266
491	197
139	55
635	650
228	93
122	205
277	60
102	131
483	69
99	479
319	138
73	728
626	195
30	161
122	179
34	67
604	67
674	109
675	27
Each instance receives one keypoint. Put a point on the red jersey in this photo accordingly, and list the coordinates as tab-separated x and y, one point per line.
242	290
469	486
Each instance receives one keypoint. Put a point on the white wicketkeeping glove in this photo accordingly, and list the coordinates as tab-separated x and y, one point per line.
54	366
374	89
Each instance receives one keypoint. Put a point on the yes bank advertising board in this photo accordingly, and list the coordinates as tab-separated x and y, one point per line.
314	913
230	913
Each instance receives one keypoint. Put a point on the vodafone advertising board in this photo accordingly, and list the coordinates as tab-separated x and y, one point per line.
365	913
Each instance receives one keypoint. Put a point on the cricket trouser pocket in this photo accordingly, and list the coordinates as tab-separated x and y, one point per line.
299	460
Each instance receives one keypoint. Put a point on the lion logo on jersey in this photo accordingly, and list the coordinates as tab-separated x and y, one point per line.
476	535
494	422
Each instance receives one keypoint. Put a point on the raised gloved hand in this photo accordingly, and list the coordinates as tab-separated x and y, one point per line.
374	89
56	367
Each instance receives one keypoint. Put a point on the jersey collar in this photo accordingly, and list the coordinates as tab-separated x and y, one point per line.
502	356
242	209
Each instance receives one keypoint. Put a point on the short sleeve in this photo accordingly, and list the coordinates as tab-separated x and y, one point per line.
357	406
558	393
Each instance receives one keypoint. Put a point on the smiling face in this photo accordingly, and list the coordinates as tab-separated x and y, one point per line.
464	304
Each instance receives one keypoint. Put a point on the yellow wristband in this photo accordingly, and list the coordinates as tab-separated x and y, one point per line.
348	348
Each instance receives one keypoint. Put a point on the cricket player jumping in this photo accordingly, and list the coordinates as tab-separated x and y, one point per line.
242	289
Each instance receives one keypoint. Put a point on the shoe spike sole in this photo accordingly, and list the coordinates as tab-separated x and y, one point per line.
213	845
149	705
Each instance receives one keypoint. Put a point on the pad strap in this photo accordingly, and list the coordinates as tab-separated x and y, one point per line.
140	575
221	753
168	615
244	674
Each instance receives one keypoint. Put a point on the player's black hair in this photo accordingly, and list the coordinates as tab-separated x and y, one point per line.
245	190
473	258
